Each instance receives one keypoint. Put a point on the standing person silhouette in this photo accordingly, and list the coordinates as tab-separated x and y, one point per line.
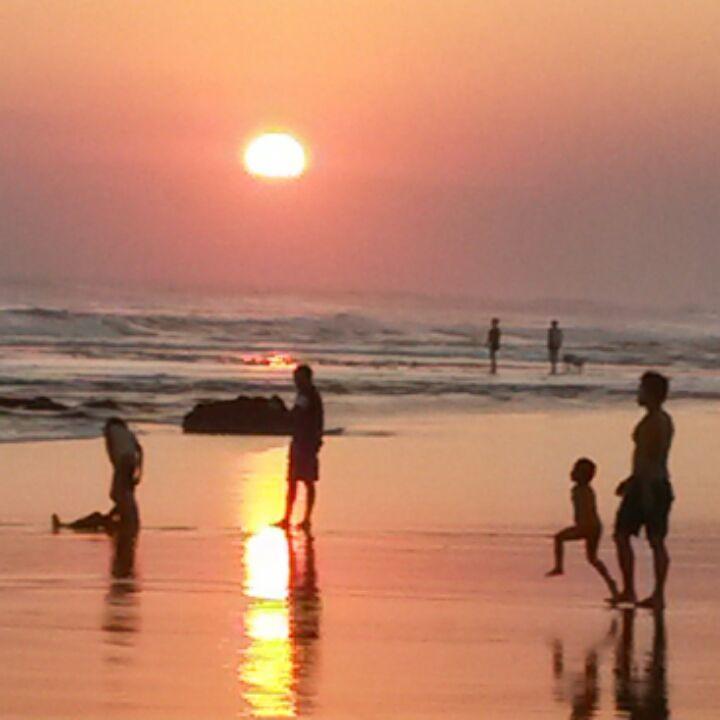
554	343
647	494
307	419
493	344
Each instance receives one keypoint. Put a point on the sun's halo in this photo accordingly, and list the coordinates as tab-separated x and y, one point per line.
275	155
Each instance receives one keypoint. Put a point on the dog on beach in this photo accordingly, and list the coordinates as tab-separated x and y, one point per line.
573	362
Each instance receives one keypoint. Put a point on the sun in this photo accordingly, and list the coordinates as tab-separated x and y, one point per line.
275	155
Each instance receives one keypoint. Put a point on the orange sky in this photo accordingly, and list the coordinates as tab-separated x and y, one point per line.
501	148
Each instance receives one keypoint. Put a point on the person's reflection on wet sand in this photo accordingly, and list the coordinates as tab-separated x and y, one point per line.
581	690
641	694
281	623
304	604
120	621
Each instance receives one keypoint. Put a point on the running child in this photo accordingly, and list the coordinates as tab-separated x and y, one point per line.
587	525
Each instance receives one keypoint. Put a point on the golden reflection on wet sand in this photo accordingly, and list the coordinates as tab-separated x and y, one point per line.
282	617
281	623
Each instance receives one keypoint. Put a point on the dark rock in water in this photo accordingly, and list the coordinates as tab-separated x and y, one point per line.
242	416
44	403
11	402
36	403
106	404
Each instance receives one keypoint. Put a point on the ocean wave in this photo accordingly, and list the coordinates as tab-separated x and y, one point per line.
154	364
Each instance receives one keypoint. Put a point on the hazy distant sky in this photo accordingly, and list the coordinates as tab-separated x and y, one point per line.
510	148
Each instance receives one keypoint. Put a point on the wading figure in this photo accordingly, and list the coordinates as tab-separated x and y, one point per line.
554	343
493	344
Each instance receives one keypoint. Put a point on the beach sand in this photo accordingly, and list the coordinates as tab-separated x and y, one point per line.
421	595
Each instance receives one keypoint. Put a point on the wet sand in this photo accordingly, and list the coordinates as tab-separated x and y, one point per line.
421	595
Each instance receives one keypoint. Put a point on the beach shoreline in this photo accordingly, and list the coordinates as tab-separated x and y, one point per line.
430	544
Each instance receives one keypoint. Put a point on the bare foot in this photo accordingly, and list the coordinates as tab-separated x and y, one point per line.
305	525
283	524
653	602
554	572
56	524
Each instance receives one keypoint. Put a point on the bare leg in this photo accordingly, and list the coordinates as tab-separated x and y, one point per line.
493	363
309	504
626	560
591	551
661	563
563	536
289	504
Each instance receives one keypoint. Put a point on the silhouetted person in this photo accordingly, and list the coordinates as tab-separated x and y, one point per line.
587	525
122	520
493	343
554	343
303	465
126	455
647	494
641	696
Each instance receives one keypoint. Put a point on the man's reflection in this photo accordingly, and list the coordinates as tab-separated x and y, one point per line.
640	693
282	623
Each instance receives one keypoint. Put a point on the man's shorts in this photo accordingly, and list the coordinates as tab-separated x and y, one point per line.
645	506
303	463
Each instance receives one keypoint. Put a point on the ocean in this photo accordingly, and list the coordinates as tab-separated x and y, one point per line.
149	356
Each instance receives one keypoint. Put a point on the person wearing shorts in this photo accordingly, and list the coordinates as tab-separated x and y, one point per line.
307	430
647	495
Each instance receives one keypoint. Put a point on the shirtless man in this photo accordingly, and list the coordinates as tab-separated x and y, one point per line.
647	494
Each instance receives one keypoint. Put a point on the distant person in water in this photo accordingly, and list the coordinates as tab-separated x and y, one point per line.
587	525
307	433
493	344
647	494
554	343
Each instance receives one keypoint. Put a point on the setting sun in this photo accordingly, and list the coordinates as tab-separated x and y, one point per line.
275	155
